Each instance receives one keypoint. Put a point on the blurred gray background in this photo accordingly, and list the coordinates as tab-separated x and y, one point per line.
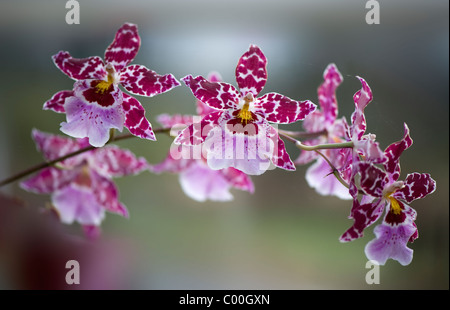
284	236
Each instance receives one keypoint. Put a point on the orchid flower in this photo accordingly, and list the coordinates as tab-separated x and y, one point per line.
96	104
237	133
383	192
197	180
81	187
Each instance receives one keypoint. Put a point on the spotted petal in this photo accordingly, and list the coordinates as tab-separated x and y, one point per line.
280	156
197	132
48	180
56	103
361	98
176	120
140	80
327	92
135	119
124	47
251	73
416	186
112	161
364	215
171	164
248	148
80	68
393	153
107	195
373	179
54	146
238	179
283	110
217	95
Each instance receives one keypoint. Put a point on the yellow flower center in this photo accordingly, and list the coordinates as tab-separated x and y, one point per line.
103	86
395	206
244	114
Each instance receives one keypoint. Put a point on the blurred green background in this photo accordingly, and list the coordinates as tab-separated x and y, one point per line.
284	236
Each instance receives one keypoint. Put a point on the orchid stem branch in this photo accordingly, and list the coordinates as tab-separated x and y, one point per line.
59	159
316	149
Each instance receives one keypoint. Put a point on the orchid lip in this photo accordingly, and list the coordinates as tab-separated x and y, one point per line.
111	78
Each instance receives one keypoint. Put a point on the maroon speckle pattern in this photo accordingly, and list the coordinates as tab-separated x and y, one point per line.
94	95
139	80
361	99
56	103
217	95
283	110
327	93
80	69
135	119
124	47
251	73
394	151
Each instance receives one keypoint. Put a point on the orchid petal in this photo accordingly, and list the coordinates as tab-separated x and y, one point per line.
327	93
80	68
217	95
238	179
48	180
251	73
247	149
392	238
320	177
56	103
361	98
201	183
78	203
92	121
142	81
54	146
197	132
280	156
393	153
373	179
113	161
135	119
283	110
416	186
124	47
107	195
364	215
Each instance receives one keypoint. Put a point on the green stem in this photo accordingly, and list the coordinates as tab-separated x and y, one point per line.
302	134
304	147
316	148
59	159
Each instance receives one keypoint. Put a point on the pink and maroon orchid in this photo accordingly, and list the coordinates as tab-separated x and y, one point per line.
81	186
319	176
365	148
384	193
237	133
197	180
96	104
